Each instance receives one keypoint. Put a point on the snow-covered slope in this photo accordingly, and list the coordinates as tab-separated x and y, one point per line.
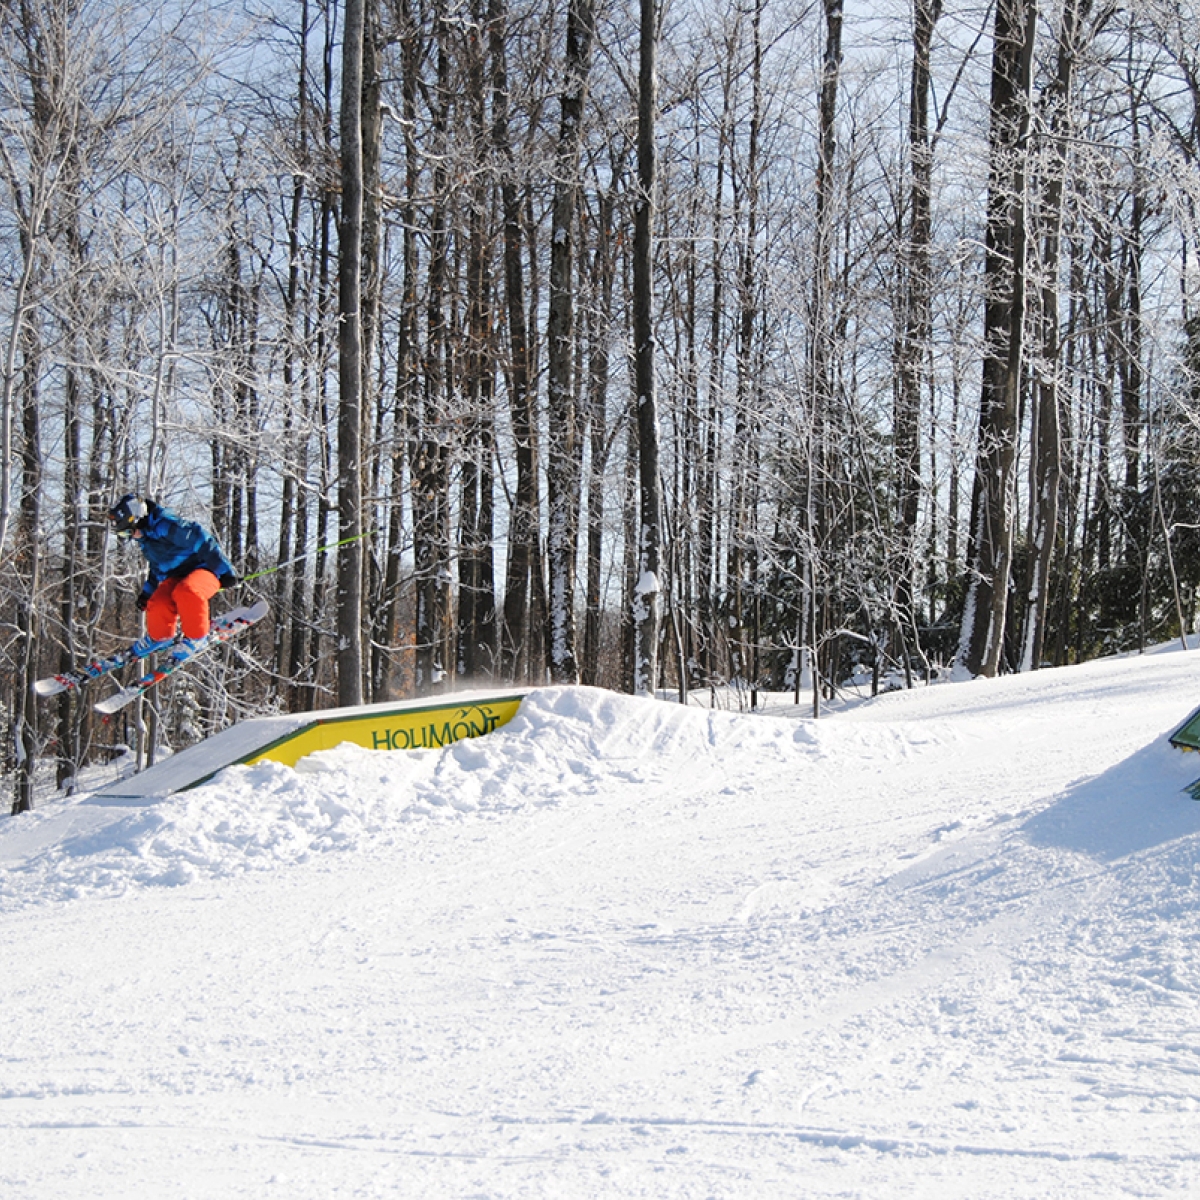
942	944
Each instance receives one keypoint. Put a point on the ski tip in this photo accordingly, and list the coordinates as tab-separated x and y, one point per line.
48	687
116	702
247	614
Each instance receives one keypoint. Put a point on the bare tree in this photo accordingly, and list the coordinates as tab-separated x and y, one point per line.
1046	421
564	449
523	584
990	557
912	351
646	585
350	360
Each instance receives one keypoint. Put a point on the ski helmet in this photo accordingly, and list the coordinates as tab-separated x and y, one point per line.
126	514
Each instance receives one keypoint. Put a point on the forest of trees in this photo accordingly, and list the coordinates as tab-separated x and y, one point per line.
741	345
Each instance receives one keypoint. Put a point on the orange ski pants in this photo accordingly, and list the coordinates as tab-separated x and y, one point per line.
184	600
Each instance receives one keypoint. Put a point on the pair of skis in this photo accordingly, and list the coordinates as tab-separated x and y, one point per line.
222	629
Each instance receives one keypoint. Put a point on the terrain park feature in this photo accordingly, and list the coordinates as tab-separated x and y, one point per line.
426	724
1187	737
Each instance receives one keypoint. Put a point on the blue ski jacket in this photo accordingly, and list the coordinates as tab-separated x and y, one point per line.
174	548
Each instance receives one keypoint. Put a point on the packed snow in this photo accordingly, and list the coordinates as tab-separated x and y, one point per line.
945	943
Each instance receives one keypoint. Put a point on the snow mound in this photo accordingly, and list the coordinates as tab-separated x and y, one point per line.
563	746
574	747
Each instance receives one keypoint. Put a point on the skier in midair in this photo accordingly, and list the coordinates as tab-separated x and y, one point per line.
187	569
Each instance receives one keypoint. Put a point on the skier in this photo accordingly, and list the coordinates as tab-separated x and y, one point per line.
187	569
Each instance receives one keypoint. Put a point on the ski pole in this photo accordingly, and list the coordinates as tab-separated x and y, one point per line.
307	554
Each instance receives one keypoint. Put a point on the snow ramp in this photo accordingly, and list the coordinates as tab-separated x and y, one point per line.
402	725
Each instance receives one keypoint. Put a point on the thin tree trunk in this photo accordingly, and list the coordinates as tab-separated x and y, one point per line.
563	477
603	274
1045	466
349	566
406	420
476	596
708	516
430	470
292	498
912	355
28	564
515	632
371	396
646	584
825	454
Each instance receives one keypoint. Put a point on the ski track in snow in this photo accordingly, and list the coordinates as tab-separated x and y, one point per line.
942	944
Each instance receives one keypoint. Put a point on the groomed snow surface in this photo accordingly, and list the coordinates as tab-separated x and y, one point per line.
942	944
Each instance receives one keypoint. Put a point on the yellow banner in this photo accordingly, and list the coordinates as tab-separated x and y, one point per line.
425	728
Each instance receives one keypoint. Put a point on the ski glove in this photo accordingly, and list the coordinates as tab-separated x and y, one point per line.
228	580
143	598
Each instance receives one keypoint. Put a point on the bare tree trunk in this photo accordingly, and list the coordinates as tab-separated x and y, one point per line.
708	514
563	467
1045	466
307	654
289	606
981	644
646	585
28	564
824	478
681	531
521	576
912	352
430	469
740	552
51	148
371	398
476	651
349	569
73	605
603	274
407	386
8	389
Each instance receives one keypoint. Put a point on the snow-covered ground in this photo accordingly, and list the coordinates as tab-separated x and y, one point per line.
943	944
